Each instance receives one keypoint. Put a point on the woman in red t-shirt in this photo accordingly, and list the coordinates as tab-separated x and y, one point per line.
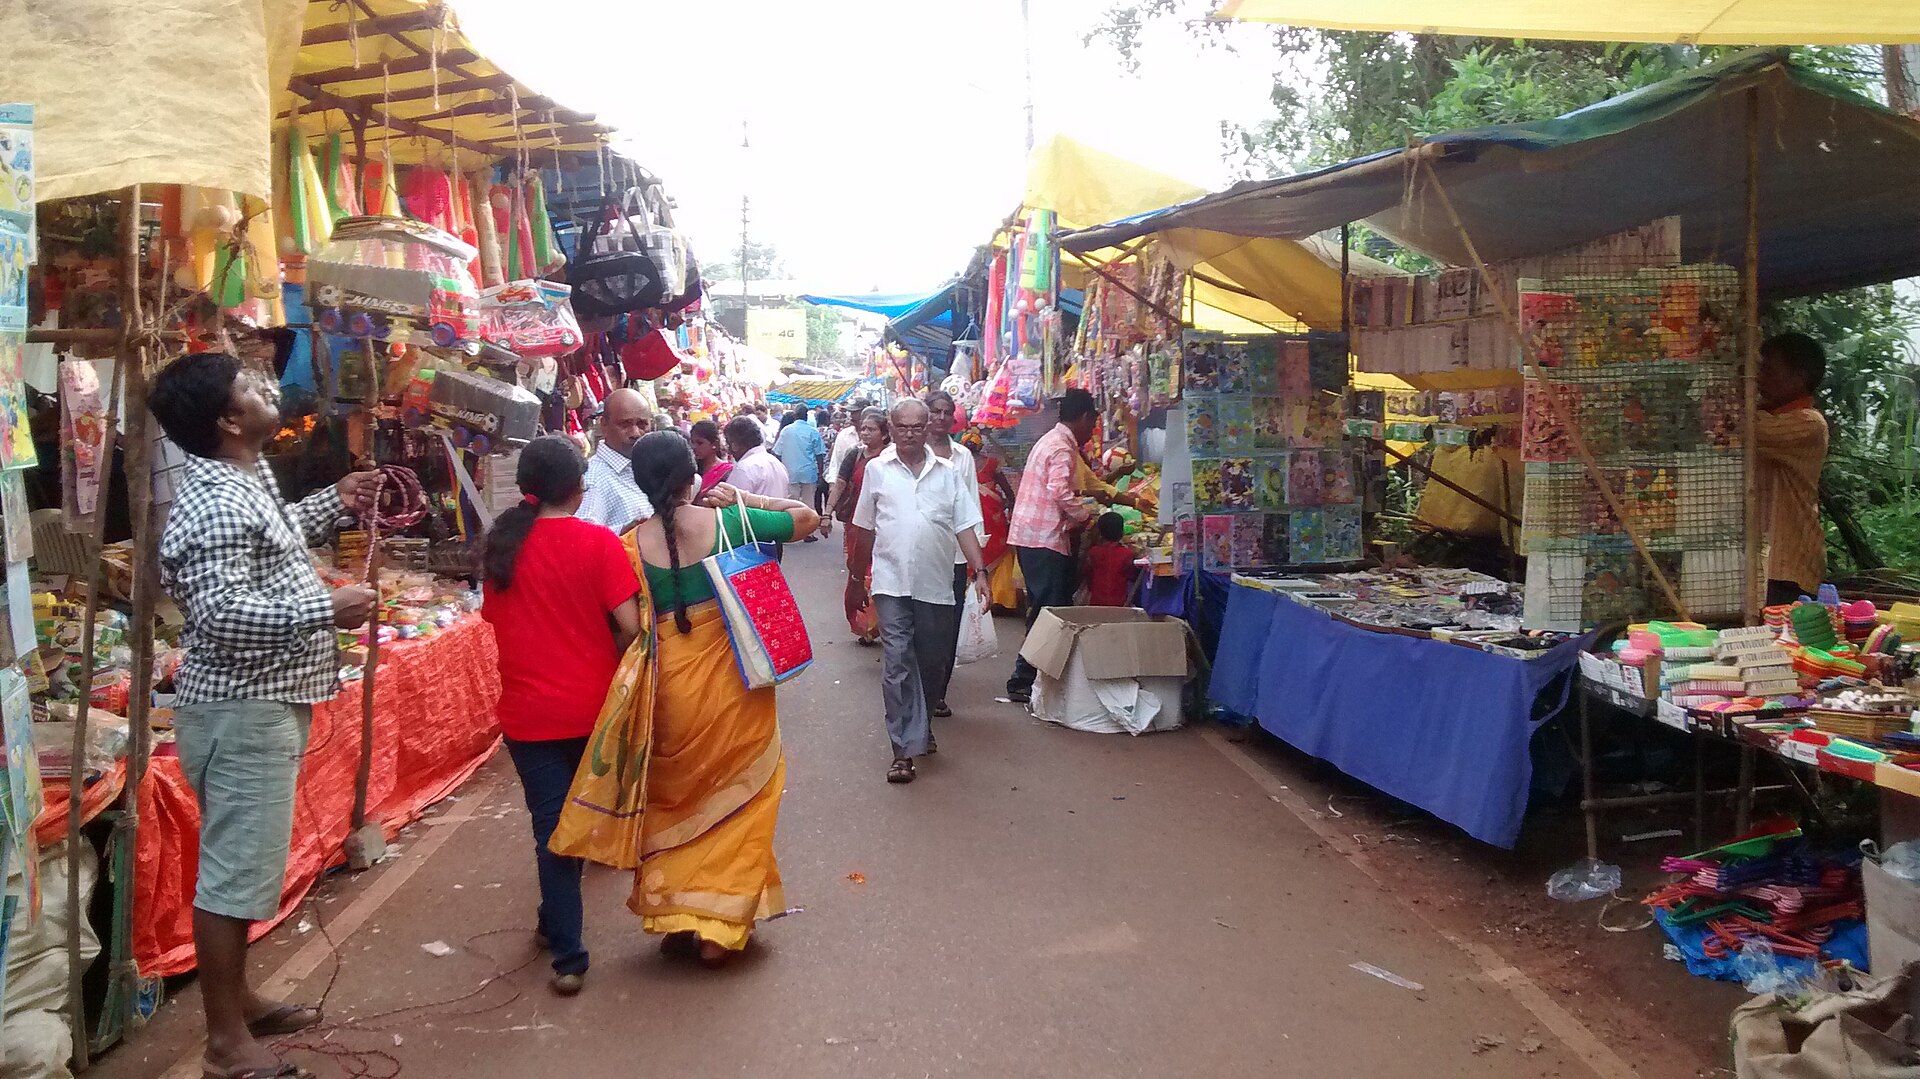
560	597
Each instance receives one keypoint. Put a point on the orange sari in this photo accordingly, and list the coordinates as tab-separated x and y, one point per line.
682	782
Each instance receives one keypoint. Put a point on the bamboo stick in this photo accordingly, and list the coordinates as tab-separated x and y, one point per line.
1754	596
139	470
1574	437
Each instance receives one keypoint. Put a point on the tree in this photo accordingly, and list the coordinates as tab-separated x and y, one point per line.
823	335
763	264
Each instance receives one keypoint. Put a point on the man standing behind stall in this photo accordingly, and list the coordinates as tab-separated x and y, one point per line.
1045	513
260	653
611	498
1791	437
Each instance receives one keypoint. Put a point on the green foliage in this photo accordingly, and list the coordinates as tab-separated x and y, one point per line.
762	261
823	335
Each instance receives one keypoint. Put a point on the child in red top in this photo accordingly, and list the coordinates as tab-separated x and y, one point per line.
1110	565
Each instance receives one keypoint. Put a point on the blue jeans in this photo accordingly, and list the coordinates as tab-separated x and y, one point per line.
546	773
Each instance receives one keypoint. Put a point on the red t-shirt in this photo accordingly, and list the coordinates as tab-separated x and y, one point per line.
553	628
1109	570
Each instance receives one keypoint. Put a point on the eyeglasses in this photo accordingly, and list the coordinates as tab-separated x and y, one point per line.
909	428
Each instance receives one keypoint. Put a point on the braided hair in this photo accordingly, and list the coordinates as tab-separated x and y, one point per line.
663	469
550	472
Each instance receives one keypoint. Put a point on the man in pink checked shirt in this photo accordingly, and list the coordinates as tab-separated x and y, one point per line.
1045	513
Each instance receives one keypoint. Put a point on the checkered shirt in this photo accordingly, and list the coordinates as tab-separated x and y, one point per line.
259	619
1047	505
612	499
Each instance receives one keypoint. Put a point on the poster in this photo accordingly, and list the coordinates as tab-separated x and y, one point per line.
22	800
20	612
17	196
16	437
15	518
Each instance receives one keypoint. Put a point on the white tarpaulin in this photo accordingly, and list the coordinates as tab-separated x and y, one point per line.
156	92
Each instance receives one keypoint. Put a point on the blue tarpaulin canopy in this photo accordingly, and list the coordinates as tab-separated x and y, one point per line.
1838	181
890	304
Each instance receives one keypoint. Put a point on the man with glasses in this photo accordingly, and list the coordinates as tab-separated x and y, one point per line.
914	513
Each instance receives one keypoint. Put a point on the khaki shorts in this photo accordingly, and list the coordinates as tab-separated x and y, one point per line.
242	759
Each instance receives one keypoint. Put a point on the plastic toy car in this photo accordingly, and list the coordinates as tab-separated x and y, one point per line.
483	414
530	318
380	276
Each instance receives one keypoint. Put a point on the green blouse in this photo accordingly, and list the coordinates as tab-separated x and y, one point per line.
769	526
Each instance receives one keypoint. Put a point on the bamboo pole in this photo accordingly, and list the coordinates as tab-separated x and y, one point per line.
364	849
139	470
1754	597
1574	437
76	781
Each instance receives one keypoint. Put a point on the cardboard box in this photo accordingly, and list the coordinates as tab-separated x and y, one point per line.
1107	669
1893	918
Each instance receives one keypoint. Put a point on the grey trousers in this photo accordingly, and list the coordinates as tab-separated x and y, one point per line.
913	656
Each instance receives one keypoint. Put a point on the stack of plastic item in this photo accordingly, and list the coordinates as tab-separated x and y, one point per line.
1769	887
1765	668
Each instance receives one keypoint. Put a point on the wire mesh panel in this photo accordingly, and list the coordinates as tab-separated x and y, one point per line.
1636	481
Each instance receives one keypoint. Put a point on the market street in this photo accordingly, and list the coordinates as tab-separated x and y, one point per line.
1042	902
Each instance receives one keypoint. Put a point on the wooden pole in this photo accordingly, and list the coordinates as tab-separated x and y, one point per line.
134	360
363	848
1575	438
1756	572
1504	515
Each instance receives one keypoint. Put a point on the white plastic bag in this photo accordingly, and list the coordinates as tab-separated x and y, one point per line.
978	640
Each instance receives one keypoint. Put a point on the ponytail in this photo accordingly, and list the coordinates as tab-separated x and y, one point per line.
549	474
664	469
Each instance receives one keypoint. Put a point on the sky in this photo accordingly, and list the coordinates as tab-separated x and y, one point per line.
886	138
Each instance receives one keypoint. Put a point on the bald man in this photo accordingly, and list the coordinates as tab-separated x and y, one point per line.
611	498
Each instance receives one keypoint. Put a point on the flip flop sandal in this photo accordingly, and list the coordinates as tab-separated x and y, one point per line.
901	772
279	1071
284	1020
941	711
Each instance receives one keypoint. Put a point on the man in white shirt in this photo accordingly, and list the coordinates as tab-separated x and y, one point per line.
846	441
941	443
912	515
611	498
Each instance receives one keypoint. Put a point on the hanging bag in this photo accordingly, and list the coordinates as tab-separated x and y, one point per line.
613	274
763	619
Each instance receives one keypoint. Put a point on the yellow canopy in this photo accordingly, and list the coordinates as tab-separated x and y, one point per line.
1241	285
405	70
130	93
1685	22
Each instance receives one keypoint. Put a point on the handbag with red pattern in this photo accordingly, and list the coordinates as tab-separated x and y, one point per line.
770	639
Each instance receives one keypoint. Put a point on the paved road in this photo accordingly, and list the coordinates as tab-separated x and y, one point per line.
1039	903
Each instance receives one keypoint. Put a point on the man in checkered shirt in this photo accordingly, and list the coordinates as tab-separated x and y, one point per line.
260	653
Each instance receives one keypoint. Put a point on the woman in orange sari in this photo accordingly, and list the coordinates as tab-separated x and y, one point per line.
683	776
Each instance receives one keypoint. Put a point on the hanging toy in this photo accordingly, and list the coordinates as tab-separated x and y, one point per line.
546	253
486	225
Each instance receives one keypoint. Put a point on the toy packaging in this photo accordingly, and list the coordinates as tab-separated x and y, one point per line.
392	278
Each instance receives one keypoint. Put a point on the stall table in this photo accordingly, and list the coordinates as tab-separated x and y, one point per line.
1440	725
433	728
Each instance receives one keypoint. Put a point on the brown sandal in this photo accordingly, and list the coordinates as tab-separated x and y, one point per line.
901	772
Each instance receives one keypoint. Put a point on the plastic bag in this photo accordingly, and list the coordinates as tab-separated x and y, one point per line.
1760	971
978	640
1585	879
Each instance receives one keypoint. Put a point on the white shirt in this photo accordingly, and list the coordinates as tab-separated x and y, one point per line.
962	459
769	429
845	442
612	499
916	521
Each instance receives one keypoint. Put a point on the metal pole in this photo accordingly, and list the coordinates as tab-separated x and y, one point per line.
1587	803
1026	51
1750	304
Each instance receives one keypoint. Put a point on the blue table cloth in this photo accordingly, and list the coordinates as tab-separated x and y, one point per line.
1438	725
1200	599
